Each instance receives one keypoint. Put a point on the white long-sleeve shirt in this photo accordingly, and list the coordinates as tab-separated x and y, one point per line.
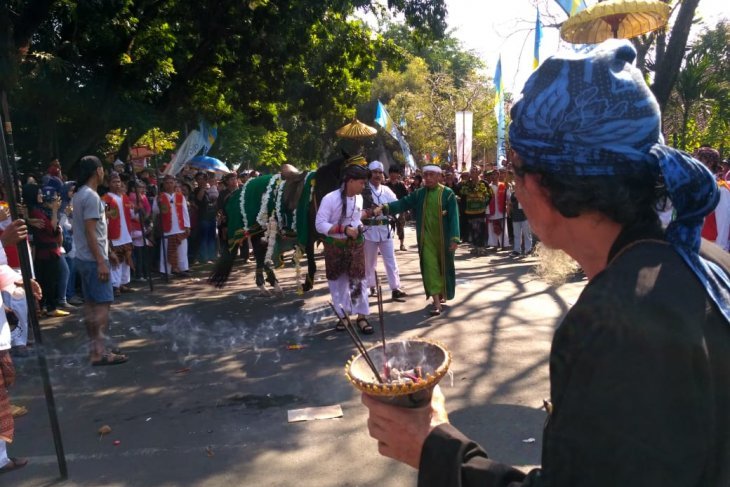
8	278
330	213
175	228
125	236
381	195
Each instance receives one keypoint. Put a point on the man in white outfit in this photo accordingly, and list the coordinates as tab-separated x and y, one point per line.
378	235
16	301
10	281
119	218
172	207
339	219
496	216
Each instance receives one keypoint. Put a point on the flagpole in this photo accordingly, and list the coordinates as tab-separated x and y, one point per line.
11	185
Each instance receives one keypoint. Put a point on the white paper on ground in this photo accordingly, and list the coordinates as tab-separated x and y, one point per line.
308	414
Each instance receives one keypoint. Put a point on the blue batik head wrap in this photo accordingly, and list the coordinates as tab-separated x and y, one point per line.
592	114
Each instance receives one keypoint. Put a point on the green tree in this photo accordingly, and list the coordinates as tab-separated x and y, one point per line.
698	108
427	89
77	69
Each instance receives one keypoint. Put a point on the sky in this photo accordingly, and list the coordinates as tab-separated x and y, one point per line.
491	28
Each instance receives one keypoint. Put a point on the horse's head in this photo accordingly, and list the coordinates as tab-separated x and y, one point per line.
328	176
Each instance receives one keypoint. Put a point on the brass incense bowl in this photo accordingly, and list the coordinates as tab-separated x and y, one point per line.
431	357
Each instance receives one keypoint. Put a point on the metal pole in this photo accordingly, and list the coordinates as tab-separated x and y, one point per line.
11	185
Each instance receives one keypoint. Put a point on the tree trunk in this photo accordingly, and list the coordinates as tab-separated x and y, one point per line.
668	67
133	135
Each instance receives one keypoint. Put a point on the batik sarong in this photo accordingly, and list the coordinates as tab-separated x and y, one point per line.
173	242
7	378
124	254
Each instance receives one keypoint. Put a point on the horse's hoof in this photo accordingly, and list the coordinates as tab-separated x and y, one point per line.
307	286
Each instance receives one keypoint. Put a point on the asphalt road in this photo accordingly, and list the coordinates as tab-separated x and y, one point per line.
203	400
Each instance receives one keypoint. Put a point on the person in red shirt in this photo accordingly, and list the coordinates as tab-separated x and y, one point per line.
47	241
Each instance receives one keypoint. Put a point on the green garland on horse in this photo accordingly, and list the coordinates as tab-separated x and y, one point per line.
276	213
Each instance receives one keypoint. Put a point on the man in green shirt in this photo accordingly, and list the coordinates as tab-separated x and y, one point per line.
476	195
437	231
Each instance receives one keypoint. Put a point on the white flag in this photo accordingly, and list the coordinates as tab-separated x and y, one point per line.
463	140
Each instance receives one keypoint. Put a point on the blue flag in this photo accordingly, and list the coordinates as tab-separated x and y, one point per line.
383	119
538	38
208	135
499	109
572	7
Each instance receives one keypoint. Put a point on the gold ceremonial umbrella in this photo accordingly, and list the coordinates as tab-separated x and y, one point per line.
622	19
356	130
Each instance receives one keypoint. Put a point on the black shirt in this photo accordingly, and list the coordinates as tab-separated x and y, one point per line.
398	188
640	384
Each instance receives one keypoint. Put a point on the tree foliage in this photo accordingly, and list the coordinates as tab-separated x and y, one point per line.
426	86
699	108
77	69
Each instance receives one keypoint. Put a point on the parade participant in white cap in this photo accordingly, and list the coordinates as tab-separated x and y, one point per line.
437	232
339	220
378	234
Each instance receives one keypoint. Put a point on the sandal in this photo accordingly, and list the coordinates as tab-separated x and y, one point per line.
340	326
14	464
367	328
18	411
434	312
110	359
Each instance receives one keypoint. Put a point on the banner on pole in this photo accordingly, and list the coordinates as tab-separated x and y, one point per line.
499	109
187	150
538	39
571	7
383	119
464	122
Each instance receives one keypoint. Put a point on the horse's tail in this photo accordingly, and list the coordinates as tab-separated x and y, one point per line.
236	237
222	268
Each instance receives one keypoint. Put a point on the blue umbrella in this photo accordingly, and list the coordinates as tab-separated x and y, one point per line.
207	163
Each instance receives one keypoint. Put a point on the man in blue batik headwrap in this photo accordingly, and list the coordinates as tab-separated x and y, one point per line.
640	366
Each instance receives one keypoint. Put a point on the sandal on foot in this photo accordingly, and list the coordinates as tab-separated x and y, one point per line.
14	464
110	359
367	328
340	326
18	411
434	312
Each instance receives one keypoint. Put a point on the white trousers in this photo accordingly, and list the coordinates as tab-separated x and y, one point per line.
494	239
522	230
120	275
387	250
342	296
182	257
17	303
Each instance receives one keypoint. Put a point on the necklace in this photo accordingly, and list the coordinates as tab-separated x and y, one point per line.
376	193
354	206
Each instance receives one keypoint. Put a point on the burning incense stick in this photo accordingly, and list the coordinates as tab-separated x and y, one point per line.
356	340
382	324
